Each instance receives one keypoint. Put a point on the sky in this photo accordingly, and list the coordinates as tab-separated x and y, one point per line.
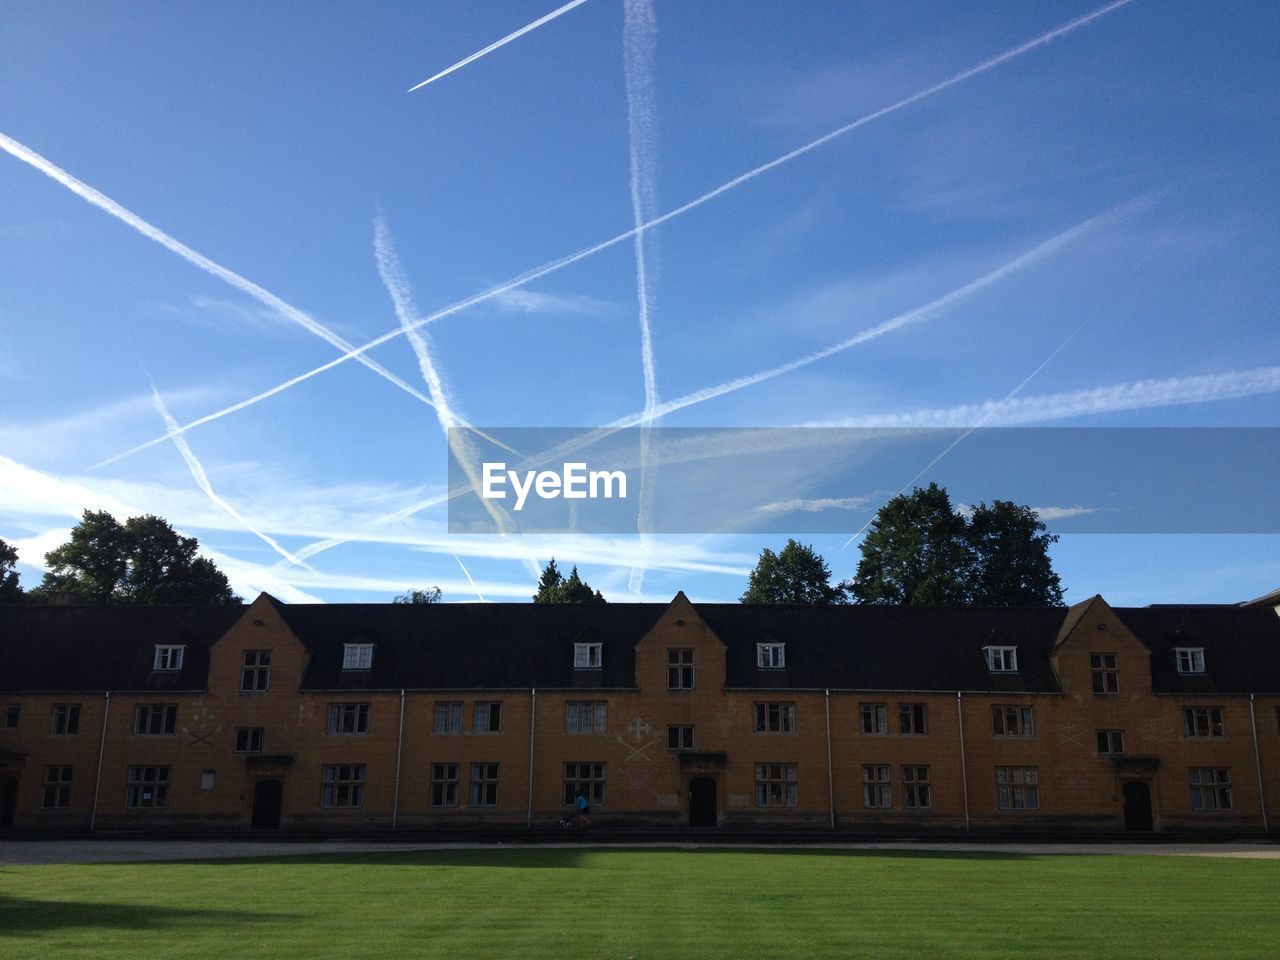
713	214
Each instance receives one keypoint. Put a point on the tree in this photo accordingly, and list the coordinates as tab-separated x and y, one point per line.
10	591
795	575
143	560
1011	558
431	595
554	587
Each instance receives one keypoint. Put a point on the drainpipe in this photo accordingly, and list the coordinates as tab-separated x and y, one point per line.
102	744
964	770
533	719
395	802
831	790
1257	765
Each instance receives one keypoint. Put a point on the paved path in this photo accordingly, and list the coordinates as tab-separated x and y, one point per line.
24	853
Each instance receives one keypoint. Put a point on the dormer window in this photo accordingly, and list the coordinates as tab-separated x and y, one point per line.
1190	659
357	656
1001	659
771	656
587	656
168	657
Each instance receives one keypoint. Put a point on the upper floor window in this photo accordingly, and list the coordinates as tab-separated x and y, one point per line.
1190	659
1106	679
1110	741
679	738
449	717
913	718
66	719
155	719
248	740
352	718
257	671
357	656
585	717
1001	659
587	656
679	669
771	656
1011	721
1203	722
775	718
874	717
488	717
168	657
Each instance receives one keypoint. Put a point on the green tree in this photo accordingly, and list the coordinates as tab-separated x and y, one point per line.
430	595
555	587
916	553
10	590
143	560
1011	565
795	575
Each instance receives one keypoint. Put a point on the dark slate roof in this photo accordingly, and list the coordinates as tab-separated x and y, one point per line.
1242	646
97	648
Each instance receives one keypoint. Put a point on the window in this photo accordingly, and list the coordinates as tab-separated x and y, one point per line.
357	656
875	787
343	786
257	671
248	740
1203	722
775	784
488	717
444	785
874	718
484	785
448	718
775	718
587	656
147	788
348	718
679	738
11	713
155	720
584	778
57	788
1210	788
168	657
582	717
916	794
1001	659
1106	679
1010	721
679	669
1017	788
771	656
1190	659
1111	741
913	718
66	719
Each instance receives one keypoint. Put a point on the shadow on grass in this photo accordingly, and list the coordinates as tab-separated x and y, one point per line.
20	916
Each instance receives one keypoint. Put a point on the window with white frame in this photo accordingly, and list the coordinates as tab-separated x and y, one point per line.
679	738
1001	659
587	779
875	786
1190	659
484	785
776	785
1210	788
343	786
913	718
155	719
1017	788
357	656
1203	722
771	656
66	719
448	717
775	718
1012	721
147	788
168	657
916	792
586	717
588	656
248	740
1106	678
1110	741
873	718
487	717
444	785
57	788
348	719
679	669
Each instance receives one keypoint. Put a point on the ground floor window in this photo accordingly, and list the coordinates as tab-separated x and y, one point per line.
1017	788
444	785
1210	788
875	786
484	785
57	788
916	792
584	778
148	787
775	784
343	786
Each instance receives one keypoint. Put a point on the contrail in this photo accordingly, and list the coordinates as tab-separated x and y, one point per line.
559	264
467	573
265	297
559	11
202	481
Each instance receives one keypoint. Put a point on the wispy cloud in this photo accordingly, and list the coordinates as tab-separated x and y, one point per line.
470	579
520	300
559	11
559	264
820	505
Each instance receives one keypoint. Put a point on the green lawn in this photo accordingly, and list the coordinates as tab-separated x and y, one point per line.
583	904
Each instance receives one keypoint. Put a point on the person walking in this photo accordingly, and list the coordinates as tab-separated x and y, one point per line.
583	809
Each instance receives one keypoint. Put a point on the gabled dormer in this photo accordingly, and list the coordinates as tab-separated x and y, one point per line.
259	655
1096	655
680	654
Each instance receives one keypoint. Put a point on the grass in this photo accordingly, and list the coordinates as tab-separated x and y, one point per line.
585	904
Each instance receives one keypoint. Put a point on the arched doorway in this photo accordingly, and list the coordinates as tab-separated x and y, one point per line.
1137	805
702	802
8	800
268	796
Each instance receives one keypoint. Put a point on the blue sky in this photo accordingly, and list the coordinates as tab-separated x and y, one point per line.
301	202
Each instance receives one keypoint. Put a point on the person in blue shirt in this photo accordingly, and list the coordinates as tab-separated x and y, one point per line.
583	809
